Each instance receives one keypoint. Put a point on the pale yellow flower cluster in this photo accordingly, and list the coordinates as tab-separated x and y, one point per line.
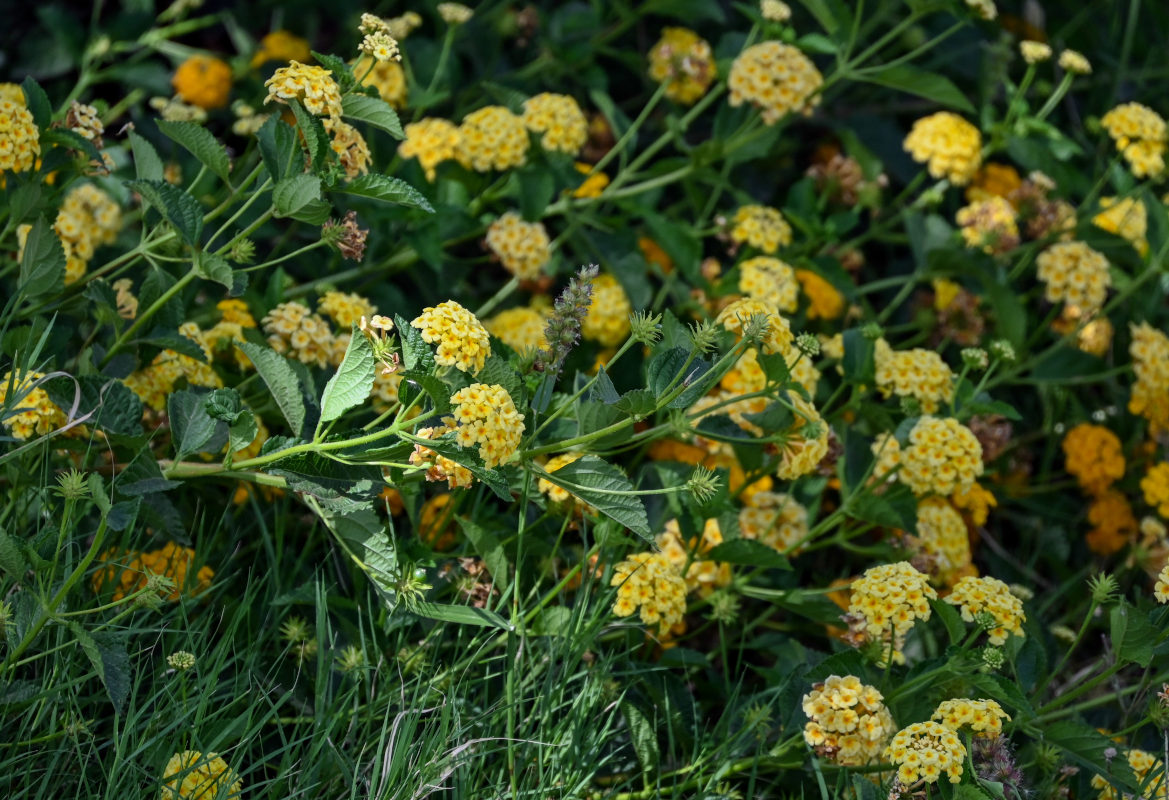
345	308
88	219
701	574
1074	273
1141	135
492	138
520	328
917	373
942	535
847	719
607	321
192	775
1150	363
522	247
485	417
349	145
463	342
1148	770
295	331
559	119
774	518
1161	589
748	376
387	77
777	78
683	62
432	140
925	751
948	144
34	414
761	227
20	141
554	493
155	382
806	443
984	717
649	582
778	337
887	600
975	595
771	281
313	87
942	456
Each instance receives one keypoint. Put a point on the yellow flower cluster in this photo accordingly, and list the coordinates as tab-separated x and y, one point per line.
983	8
748	376
440	468
924	752
20	141
156	381
975	501
34	413
387	77
887	600
702	575
942	457
522	247
520	328
281	46
203	81
950	145
454	13
1034	52
917	373
984	717
777	78
770	281
824	300
314	87
1140	135
385	389
683	62
847	719
1150	363
762	227
559	119
486	417
225	334
1126	217
1155	486
345	309
1161	590
777	339
607	322
776	519
943	538
1148	770
83	120
989	225
593	185
806	443
1094	456
992	180
887	452
974	595
492	138
349	145
295	331
1075	273
554	493
1075	62
88	219
463	342
1113	523
431	140
126	572
192	775
648	581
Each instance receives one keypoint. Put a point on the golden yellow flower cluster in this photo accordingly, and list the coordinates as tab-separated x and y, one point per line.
847	719
593	184
974	595
485	417
806	443
436	524
522	247
984	717
776	519
463	342
942	456
387	77
345	309
989	225
770	281
1150	363
607	322
1140	135
1113	523
1074	273
349	145
943	538
917	373
20	141
887	452
1155	487
777	78
126	572
439	467
950	145
777	339
34	413
748	376
993	180
761	227
1128	218
683	62
975	501
281	46
824	300
203	81
925	751
295	331
229	331
648	581
432	140
554	493
559	119
314	87
887	600
1094	456
702	575
155	382
1148	770
520	328
492	138
192	775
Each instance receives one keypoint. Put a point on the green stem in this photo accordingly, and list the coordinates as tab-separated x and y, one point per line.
142	318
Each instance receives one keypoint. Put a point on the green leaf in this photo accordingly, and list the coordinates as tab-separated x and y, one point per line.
315	135
201	143
12	559
42	266
319	476
828	13
193	430
1086	746
643	735
278	146
489	548
1132	634
537	187
469	458
107	653
351	384
859	362
242	432
70	140
372	110
919	82
37	102
460	615
438	392
364	537
299	197
748	552
663	369
179	208
113	407
390	190
147	164
592	480
342	74
892	510
603	389
951	619
281	382
637	403
212	267
416	354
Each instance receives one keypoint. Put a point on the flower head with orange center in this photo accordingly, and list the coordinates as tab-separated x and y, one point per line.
492	138
984	717
522	247
886	601
942	456
1074	273
431	140
776	519
649	582
1150	364
975	596
313	87
925	751
559	121
944	539
761	227
777	78
847	720
463	342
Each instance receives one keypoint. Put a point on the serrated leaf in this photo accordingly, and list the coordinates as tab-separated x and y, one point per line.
1131	633
299	197
147	164
593	481
277	140
342	74
37	102
113	407
663	369
637	403
951	619
438	392
919	82
387	189
416	354
70	140
747	552
42	265
179	208
12	559
200	143
281	382
603	389
643	736
242	432
212	267
319	476
351	384
142	477
364	537
193	430
107	654
315	135
372	110
1087	747
460	615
